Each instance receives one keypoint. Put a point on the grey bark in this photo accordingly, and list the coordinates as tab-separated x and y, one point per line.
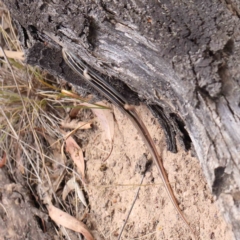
181	56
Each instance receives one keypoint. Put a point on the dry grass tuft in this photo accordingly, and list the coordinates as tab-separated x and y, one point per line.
33	106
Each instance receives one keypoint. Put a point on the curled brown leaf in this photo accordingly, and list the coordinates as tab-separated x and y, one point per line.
73	185
75	124
68	221
105	118
76	154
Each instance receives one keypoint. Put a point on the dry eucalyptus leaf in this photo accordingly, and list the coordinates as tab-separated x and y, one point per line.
68	221
73	185
75	124
13	54
69	186
19	160
76	154
105	118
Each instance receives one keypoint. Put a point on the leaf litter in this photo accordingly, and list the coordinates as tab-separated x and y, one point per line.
76	154
31	119
72	185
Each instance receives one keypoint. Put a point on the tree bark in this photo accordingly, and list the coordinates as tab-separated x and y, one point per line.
181	57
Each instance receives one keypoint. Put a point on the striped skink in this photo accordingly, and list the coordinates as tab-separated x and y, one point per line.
112	95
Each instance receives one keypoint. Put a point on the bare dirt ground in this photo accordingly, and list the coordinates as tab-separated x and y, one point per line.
113	180
113	184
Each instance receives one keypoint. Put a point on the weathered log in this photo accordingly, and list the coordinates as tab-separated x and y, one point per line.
181	57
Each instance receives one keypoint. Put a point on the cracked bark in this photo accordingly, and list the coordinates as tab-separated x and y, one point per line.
181	56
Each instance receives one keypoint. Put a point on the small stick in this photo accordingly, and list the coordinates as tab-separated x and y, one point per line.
130	210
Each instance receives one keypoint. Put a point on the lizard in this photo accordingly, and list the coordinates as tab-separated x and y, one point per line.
97	82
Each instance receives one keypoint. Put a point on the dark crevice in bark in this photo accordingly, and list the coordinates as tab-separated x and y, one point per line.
166	124
184	134
219	181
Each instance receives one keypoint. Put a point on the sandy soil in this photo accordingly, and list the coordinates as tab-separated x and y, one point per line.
113	184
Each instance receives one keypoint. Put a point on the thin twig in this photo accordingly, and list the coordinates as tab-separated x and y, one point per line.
136	196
